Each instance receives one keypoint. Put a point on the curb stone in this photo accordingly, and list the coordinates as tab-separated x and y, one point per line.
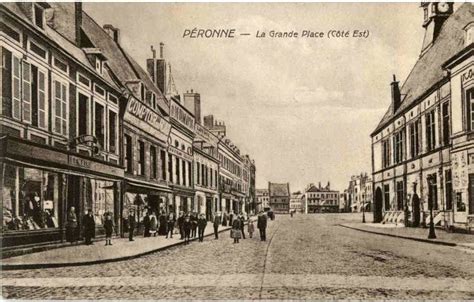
438	242
6	267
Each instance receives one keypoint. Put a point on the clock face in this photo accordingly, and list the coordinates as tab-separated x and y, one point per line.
443	7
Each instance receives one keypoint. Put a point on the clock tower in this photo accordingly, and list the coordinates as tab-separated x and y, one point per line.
434	15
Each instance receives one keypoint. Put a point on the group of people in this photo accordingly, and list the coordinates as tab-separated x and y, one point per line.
187	226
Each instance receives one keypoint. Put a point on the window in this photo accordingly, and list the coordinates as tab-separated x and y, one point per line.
141	158
198	166
153	162
185	166
190	180
83	80
16	106
449	190
42	107
400	195
9	31
128	153
113	129
26	92
163	164
430	131
215	178
60	65
203	176
99	123
398	146
470	109
30	199
170	166
99	90
39	18
113	99
178	174
446	126
83	114
211	183
386	193
38	50
414	129
432	191
98	65
60	116
386	153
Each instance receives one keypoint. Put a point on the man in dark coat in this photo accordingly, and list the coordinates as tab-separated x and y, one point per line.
242	225
146	225
131	225
202	223
180	225
170	225
187	224
89	227
163	230
194	224
217	222
262	226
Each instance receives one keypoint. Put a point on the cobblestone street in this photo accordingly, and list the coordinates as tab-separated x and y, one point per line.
308	256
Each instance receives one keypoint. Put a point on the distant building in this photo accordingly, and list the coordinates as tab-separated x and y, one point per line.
344	201
279	197
263	201
360	192
297	202
321	199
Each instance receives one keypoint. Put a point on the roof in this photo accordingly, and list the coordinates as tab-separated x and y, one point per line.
261	191
428	70
63	43
122	64
314	188
275	189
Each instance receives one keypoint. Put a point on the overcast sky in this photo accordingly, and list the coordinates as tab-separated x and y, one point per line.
302	108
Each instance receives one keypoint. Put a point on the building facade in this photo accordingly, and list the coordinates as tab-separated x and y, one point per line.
422	149
321	199
263	201
297	202
279	197
360	193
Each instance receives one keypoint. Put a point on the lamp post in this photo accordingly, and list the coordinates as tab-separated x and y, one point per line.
363	211
431	234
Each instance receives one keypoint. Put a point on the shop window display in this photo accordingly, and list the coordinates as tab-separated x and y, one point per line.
100	198
30	199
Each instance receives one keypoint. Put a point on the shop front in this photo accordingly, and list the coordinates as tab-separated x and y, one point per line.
184	200
40	184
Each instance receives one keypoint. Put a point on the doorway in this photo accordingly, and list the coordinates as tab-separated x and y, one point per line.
416	210
378	216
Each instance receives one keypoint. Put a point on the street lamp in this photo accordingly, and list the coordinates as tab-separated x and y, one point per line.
363	211
431	184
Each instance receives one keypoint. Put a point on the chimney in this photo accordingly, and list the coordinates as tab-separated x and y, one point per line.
65	18
157	68
396	97
113	32
192	102
209	121
319	185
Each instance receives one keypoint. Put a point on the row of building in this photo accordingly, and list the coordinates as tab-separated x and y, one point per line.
423	147
83	125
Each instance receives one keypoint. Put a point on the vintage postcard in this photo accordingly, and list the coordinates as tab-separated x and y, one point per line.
237	151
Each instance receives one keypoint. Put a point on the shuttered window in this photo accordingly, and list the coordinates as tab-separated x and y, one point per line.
60	108
42	116
26	92
16	99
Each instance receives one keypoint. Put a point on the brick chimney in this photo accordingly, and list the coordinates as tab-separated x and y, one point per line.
192	102
209	121
156	68
113	32
66	19
396	97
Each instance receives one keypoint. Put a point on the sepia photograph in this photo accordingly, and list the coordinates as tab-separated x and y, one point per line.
237	151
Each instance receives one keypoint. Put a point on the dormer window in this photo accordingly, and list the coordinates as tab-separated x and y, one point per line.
98	65
469	34
39	16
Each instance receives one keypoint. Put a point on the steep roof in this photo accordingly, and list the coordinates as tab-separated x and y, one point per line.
428	69
314	188
122	64
275	189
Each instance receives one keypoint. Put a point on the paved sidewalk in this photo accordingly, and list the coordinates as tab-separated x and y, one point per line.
121	249
418	234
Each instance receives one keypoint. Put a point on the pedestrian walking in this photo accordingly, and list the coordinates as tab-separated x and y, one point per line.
153	224
71	225
202	223
163	225
131	225
170	225
180	225
109	228
251	228
262	226
89	227
216	223
231	218
224	219
146	225
291	213
194	224
236	231
242	224
187	228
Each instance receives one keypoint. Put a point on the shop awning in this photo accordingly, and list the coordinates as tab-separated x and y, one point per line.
136	186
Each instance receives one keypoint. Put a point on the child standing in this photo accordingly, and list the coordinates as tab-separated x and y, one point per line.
109	229
251	228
